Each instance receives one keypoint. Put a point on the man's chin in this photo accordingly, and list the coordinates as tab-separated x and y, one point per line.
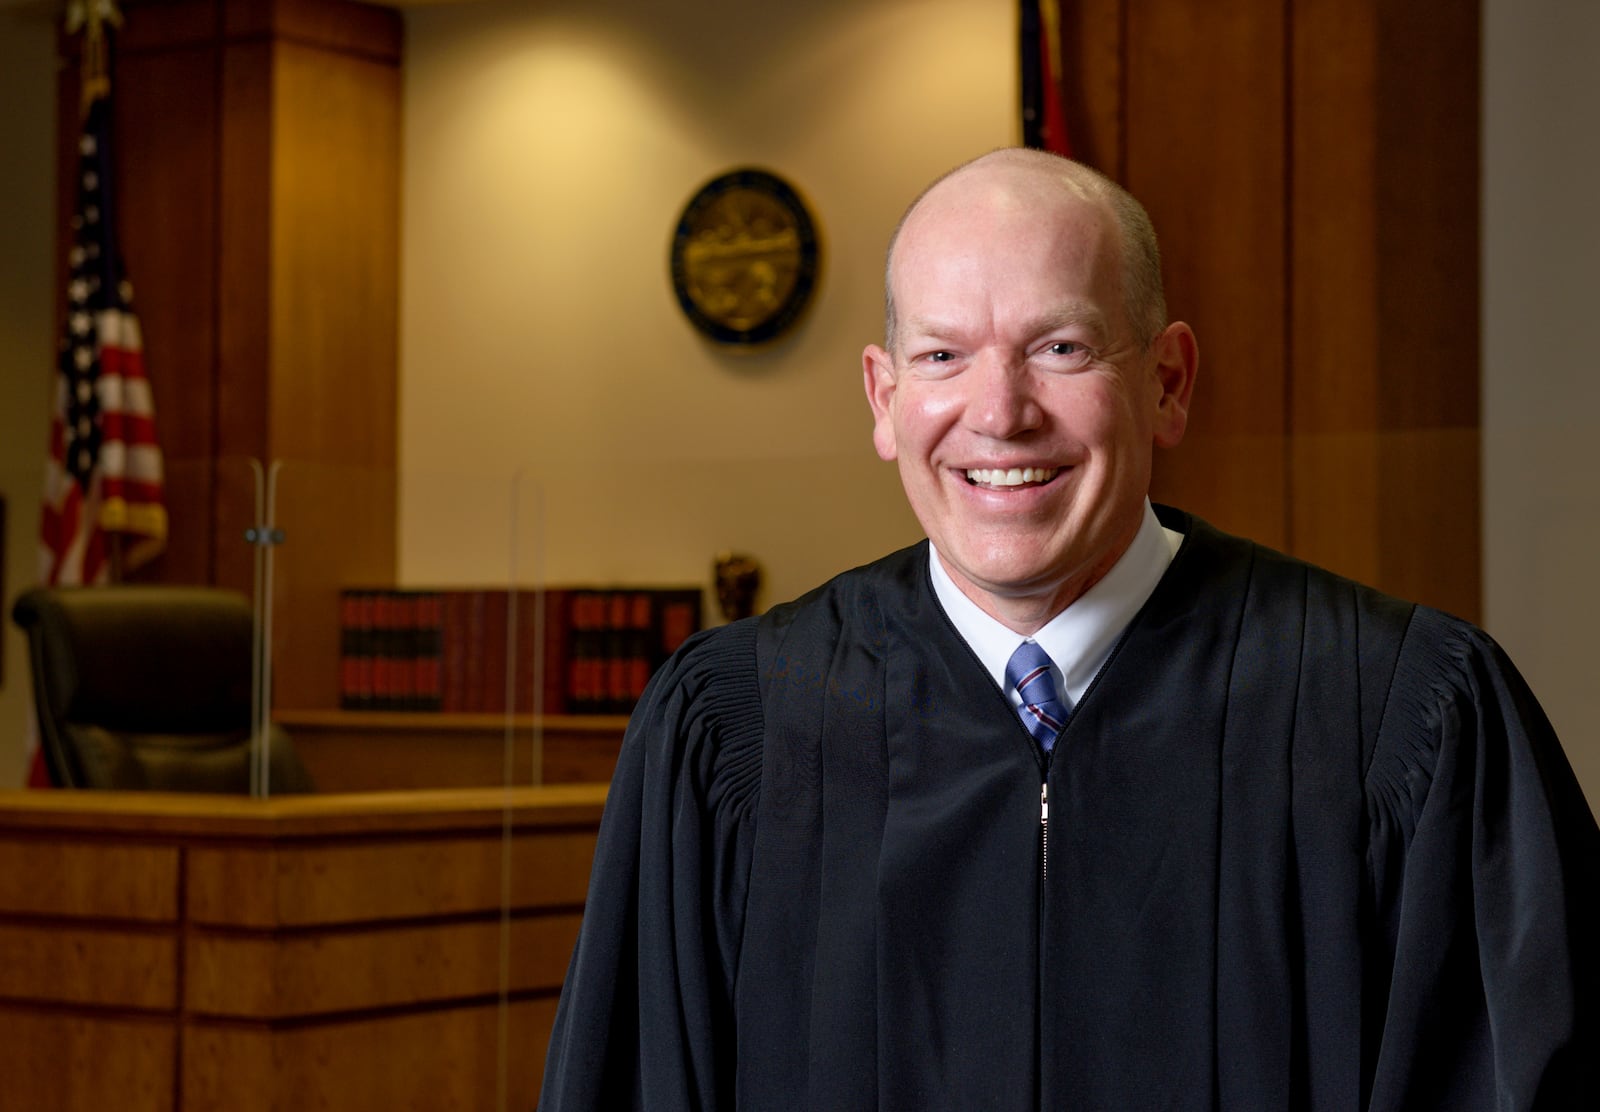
1012	577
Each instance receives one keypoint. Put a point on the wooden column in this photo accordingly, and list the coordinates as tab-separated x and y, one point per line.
1384	273
258	168
1311	167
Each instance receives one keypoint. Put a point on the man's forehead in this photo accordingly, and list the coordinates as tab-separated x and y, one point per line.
972	200
1016	177
980	229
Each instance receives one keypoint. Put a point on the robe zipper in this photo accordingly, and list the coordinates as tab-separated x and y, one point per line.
1044	831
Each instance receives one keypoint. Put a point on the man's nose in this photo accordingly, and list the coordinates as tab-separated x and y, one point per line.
1002	404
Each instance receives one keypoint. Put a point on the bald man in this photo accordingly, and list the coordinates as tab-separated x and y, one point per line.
1079	804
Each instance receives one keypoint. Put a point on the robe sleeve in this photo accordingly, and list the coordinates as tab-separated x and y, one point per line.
1484	871
646	1007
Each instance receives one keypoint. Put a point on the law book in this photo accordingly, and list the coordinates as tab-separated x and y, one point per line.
429	667
580	649
456	617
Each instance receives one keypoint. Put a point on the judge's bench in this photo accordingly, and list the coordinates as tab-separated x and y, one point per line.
363	951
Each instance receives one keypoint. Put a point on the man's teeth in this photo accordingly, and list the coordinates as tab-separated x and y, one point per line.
1016	476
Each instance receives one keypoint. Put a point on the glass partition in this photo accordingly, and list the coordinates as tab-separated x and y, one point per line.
392	677
451	658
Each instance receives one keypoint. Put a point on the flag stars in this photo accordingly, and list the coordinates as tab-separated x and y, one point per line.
91	443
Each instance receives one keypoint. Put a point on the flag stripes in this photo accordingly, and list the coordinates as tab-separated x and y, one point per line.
104	474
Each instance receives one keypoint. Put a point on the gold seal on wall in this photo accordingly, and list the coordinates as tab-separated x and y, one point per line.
744	257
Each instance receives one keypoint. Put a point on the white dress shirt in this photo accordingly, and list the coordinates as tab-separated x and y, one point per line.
1081	637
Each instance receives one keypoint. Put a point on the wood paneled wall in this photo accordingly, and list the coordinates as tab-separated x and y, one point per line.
1312	168
258	164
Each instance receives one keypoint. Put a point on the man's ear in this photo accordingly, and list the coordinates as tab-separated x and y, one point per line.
877	375
1177	363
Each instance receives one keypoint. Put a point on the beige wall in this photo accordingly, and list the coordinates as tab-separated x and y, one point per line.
27	303
1541	388
523	319
548	152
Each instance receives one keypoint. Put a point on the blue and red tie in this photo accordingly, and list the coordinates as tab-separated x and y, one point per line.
1043	713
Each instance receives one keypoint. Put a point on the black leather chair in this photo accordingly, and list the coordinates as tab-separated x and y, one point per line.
147	688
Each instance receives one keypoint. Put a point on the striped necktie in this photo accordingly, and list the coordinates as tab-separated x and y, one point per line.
1043	713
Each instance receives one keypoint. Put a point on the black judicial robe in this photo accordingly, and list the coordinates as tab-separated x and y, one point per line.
1308	847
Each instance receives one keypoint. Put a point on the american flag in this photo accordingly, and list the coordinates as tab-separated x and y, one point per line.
1044	121
104	474
103	481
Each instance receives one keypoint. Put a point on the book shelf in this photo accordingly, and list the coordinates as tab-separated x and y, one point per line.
356	751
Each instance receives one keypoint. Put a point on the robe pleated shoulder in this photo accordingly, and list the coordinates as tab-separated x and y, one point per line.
646	1008
1307	847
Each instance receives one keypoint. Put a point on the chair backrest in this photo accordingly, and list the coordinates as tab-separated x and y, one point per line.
147	688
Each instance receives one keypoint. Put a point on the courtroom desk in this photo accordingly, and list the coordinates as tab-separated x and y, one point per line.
353	751
189	953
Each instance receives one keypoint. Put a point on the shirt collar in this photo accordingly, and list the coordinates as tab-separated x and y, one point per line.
1080	638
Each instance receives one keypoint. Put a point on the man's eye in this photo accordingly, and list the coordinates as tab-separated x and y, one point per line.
939	357
1066	347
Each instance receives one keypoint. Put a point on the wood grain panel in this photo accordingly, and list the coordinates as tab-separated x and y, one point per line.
1205	121
575	759
1094	61
1384	357
243	333
427	1062
356	758
47	877
267	977
96	966
1335	342
1428	206
335	240
154	25
77	1063
1429	518
356	28
165	120
340	525
427	1043
334	300
210	819
287	886
1428	210
347	751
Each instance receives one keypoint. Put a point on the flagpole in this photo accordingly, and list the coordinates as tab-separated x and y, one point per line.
91	17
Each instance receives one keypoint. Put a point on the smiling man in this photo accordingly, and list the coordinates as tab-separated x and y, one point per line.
1080	804
1024	388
